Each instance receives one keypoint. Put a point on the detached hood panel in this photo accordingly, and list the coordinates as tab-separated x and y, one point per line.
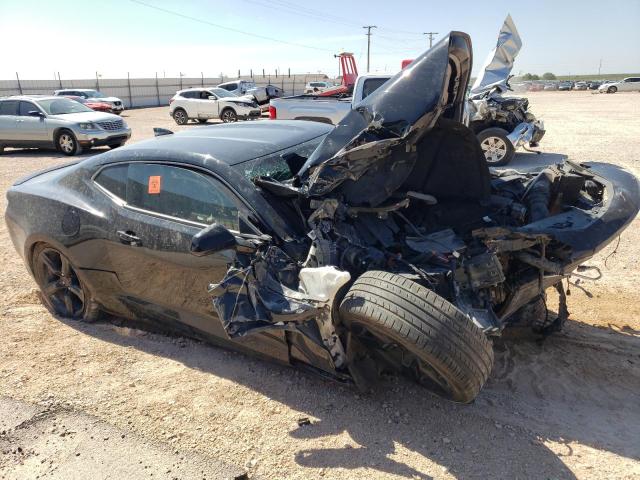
388	123
498	65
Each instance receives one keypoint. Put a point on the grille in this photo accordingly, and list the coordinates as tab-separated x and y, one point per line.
112	125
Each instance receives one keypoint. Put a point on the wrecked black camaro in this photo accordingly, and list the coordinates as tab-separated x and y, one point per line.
383	244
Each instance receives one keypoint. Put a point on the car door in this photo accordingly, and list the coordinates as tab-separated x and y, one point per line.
631	84
30	130
161	207
207	108
8	117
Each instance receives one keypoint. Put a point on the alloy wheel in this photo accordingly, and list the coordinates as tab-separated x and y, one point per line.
494	148
67	143
59	283
180	117
229	116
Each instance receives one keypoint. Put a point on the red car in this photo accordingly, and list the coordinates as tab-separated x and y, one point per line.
92	104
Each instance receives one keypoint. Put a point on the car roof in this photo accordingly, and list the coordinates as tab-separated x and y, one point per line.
232	143
29	97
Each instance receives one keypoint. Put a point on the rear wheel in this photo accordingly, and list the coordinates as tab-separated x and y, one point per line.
228	115
180	116
419	333
496	146
62	291
67	143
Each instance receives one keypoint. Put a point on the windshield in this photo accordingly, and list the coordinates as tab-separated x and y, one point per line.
273	165
221	93
95	94
62	106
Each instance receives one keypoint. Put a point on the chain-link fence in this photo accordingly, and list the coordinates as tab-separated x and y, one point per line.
150	92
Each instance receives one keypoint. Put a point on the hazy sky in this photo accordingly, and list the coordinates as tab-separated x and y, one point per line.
113	37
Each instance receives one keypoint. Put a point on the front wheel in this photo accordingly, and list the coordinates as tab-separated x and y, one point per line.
417	332
68	144
496	146
229	115
612	89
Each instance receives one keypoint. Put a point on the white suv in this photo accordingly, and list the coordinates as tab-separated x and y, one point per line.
630	84
202	104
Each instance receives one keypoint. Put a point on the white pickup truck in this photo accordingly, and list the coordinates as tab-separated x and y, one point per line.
324	109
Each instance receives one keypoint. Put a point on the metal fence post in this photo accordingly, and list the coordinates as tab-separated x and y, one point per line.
238	73
202	79
129	85
251	73
97	82
19	86
157	89
263	73
59	81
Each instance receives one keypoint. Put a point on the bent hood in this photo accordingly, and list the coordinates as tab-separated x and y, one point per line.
382	130
498	65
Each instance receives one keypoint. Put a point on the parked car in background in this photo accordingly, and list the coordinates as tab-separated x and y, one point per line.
565	86
594	85
57	122
117	106
535	87
201	104
93	104
629	84
317	87
325	109
581	86
551	86
261	95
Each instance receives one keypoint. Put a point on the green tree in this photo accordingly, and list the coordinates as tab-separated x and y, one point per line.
548	76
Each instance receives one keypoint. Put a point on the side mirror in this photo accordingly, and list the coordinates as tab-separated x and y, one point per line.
36	113
211	97
212	239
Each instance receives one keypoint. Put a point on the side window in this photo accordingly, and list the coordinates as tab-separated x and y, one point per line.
189	94
25	108
114	180
371	85
9	107
180	193
204	95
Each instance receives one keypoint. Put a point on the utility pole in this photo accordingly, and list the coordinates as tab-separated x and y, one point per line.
369	27
599	67
430	35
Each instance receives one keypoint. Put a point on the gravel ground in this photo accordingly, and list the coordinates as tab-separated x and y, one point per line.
566	408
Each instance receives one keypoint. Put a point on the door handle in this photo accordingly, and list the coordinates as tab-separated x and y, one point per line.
129	238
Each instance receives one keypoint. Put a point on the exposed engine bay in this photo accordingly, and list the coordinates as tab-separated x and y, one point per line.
401	186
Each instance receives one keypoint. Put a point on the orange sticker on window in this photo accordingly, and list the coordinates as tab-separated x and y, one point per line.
154	184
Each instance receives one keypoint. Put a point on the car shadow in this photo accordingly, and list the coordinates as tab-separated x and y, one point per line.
20	153
533	383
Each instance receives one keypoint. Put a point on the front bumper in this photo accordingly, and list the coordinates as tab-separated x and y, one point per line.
253	113
97	138
527	133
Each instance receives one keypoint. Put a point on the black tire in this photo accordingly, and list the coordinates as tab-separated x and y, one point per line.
447	353
228	115
67	143
180	116
62	291
202	120
612	89
496	146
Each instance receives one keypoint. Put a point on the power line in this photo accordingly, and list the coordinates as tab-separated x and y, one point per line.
211	24
430	34
369	27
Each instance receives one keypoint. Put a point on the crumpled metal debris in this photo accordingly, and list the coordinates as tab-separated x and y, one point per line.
498	65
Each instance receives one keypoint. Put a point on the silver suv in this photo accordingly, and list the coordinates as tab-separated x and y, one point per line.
61	123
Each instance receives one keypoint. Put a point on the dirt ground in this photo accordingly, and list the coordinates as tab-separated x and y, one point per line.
566	408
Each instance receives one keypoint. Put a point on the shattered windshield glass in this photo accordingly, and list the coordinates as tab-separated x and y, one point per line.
275	166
